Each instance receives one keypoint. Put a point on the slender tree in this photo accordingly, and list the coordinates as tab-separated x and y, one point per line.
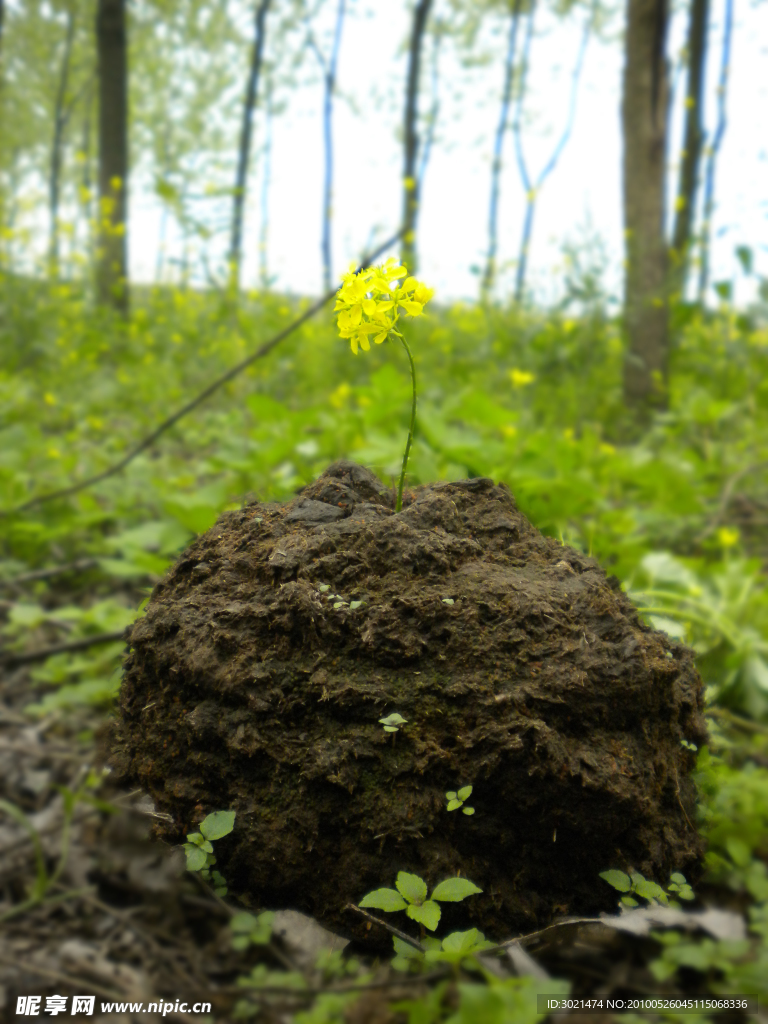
489	275
410	135
644	124
244	152
685	203
61	113
434	110
714	149
328	68
266	180
532	188
112	263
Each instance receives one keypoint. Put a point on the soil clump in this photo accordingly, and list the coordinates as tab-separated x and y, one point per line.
257	677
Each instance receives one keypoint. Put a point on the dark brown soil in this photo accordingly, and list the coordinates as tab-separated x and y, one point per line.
518	666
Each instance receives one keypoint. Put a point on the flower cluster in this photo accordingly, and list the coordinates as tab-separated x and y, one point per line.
368	303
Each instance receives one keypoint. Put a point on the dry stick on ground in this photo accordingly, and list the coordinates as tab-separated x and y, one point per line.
22	657
199	399
389	927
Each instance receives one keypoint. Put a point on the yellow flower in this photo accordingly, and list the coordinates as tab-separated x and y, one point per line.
727	536
49	399
338	398
520	378
367	302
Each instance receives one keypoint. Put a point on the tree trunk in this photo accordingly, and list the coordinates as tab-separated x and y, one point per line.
244	154
685	205
59	122
111	262
714	149
644	120
410	136
489	274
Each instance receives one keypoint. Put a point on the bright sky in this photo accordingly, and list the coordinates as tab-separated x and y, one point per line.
580	199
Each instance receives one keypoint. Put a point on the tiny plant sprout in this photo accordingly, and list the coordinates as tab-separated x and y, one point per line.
456	800
410	895
199	848
393	722
636	885
368	305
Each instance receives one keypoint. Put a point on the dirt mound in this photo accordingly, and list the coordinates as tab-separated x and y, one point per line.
265	659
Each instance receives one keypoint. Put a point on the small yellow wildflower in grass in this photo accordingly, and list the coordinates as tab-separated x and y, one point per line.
520	378
727	536
368	305
49	399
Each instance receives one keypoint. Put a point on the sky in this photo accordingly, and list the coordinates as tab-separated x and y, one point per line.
580	201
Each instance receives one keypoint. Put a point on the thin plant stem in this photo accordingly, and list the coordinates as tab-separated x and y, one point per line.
412	429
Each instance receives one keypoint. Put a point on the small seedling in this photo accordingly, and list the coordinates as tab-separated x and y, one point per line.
393	722
411	896
248	930
653	893
199	848
454	949
456	800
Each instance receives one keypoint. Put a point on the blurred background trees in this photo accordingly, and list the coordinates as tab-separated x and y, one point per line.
208	78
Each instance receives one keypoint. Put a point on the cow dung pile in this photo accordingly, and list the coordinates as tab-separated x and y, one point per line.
258	675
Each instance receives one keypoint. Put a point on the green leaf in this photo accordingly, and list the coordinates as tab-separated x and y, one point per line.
463	942
679	878
240	942
744	256
738	851
354	605
427	914
393	720
411	886
450	795
406	950
384	899
196	859
454	890
629	902
243	922
647	889
453	805
468	810
618	879
465	793
218	824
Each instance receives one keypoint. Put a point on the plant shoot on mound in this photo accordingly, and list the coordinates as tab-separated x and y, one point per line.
368	305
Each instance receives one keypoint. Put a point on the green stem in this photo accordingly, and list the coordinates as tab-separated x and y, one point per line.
412	429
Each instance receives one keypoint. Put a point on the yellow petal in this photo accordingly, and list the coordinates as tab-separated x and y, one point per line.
414	308
364	343
369	307
380	337
410	284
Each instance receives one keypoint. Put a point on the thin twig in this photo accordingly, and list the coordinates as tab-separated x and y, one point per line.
45	574
725	499
737	721
417	979
195	402
390	928
23	657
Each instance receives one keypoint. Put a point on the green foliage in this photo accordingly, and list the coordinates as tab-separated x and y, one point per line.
249	930
456	800
650	891
198	849
393	722
411	896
